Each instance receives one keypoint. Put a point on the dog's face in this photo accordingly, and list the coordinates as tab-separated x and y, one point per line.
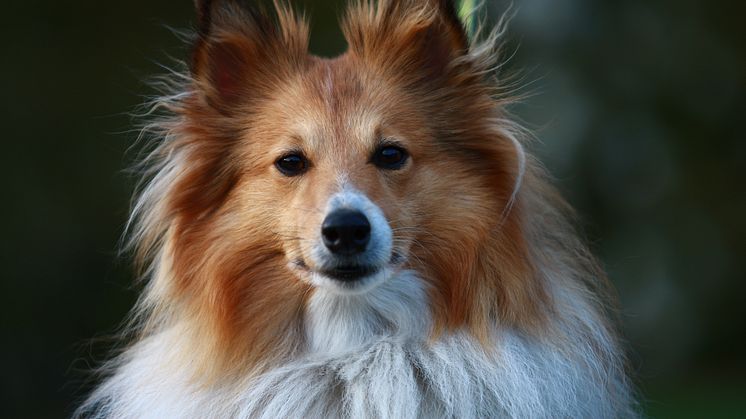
343	175
298	172
350	171
351	162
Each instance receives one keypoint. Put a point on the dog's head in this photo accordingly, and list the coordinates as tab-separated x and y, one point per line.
291	172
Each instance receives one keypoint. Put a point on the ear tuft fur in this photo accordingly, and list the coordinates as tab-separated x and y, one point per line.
407	36
453	23
203	8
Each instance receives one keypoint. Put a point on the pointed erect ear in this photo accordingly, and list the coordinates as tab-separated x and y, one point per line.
422	36
240	50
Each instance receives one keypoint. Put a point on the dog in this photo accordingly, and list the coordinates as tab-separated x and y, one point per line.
363	236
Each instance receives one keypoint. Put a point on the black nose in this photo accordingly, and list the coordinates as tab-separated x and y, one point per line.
345	232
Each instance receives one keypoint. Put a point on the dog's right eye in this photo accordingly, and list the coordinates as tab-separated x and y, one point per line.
292	164
390	157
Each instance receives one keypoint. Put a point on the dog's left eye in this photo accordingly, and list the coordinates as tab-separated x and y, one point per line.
292	164
390	157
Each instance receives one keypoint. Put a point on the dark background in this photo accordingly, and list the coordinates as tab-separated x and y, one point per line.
639	108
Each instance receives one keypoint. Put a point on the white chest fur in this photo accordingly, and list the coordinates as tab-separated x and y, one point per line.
369	357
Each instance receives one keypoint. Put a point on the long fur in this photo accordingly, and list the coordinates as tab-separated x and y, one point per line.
510	319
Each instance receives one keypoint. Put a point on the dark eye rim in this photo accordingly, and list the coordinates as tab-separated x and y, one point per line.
289	172
388	144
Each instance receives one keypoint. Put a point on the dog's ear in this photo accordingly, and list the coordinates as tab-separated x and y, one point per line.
421	37
240	49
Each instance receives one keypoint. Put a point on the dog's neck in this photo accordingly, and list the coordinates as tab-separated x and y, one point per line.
396	310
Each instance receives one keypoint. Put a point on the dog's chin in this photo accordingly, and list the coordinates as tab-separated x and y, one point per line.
352	280
349	280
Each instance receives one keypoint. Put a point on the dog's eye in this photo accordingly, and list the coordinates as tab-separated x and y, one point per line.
292	164
390	157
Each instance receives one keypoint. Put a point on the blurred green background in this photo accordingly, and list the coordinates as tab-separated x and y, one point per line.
639	106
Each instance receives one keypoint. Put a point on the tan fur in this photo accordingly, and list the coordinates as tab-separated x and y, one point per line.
233	224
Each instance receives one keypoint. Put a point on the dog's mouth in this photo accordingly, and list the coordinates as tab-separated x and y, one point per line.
348	273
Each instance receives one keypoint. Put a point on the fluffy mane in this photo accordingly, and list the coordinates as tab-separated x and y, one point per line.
503	315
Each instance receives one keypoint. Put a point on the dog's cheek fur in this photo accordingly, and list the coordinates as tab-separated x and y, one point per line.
489	279
231	280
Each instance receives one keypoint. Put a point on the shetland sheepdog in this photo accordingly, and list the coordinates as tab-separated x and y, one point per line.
358	237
